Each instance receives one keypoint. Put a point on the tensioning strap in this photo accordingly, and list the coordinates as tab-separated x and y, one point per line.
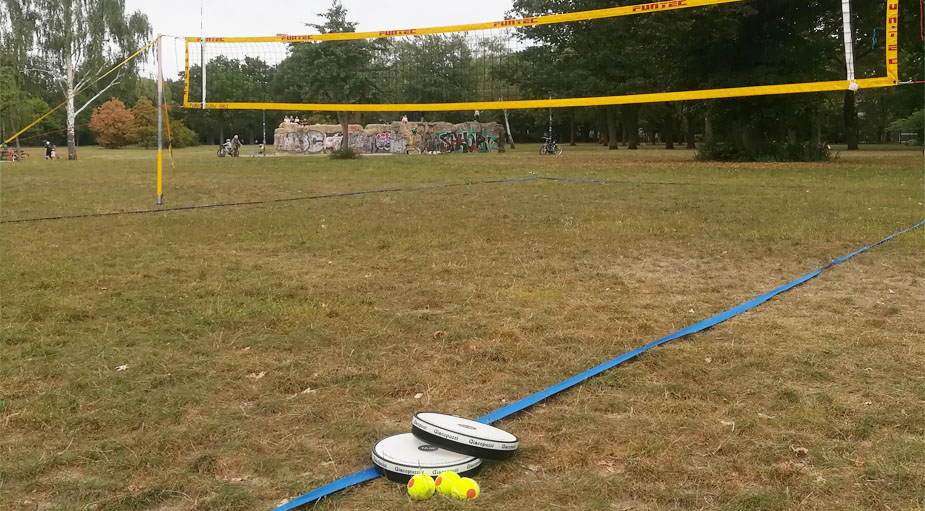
372	473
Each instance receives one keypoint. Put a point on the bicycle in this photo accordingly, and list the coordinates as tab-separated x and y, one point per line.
550	146
8	154
227	149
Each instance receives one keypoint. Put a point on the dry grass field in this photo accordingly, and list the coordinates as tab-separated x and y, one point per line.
264	348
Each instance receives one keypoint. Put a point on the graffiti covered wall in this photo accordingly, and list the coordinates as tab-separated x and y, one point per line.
395	138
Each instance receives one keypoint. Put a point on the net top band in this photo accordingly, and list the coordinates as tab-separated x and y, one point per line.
612	12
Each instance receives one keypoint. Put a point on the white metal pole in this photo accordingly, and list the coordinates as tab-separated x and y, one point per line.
202	46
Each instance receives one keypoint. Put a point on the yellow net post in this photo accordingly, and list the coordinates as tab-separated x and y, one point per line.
160	123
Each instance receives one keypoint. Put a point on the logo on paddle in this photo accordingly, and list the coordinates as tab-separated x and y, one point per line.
427	448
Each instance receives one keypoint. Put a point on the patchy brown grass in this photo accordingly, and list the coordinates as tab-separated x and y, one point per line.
269	346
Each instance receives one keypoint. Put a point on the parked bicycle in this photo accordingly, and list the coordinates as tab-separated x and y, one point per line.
12	154
550	146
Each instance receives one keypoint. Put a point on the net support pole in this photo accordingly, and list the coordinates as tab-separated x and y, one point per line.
202	49
849	44
160	121
550	120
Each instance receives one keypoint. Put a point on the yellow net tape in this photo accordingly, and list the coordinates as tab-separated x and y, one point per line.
892	39
173	164
521	22
761	90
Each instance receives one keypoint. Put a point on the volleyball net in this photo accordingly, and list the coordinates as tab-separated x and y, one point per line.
645	53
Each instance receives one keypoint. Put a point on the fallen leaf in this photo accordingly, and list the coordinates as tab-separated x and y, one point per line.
472	347
122	367
419	395
868	403
246	348
800	451
308	390
729	423
692	310
439	334
256	375
858	462
764	416
891	291
708	360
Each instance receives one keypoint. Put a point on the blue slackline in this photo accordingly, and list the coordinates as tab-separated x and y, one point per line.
372	472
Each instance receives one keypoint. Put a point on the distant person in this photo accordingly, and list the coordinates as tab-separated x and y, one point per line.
48	150
296	120
235	145
477	116
286	120
54	152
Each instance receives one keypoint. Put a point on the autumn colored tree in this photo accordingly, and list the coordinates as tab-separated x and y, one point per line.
113	124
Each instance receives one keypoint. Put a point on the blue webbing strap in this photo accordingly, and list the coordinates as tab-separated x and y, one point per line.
372	473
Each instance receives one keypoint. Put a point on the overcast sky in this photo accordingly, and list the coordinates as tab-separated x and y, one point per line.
270	17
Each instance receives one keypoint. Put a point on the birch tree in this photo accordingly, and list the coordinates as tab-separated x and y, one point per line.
72	43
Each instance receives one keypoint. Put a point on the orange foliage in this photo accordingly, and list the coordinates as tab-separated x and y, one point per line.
112	123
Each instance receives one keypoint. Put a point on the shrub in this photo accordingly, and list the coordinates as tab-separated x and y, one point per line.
112	124
144	127
769	151
341	154
720	151
181	136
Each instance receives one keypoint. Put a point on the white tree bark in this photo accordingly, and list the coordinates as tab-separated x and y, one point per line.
71	111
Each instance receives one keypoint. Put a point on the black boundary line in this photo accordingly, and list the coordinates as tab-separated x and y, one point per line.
258	202
365	192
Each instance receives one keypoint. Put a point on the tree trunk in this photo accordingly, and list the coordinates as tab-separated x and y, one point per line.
631	122
71	110
690	136
611	129
707	128
818	127
669	126
221	135
572	128
851	121
602	140
345	128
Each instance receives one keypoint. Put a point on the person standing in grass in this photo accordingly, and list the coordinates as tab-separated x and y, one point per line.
48	150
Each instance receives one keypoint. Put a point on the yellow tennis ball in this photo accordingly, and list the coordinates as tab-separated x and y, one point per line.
465	489
421	487
445	482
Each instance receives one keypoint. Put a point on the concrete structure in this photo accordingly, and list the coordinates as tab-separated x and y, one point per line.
395	138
